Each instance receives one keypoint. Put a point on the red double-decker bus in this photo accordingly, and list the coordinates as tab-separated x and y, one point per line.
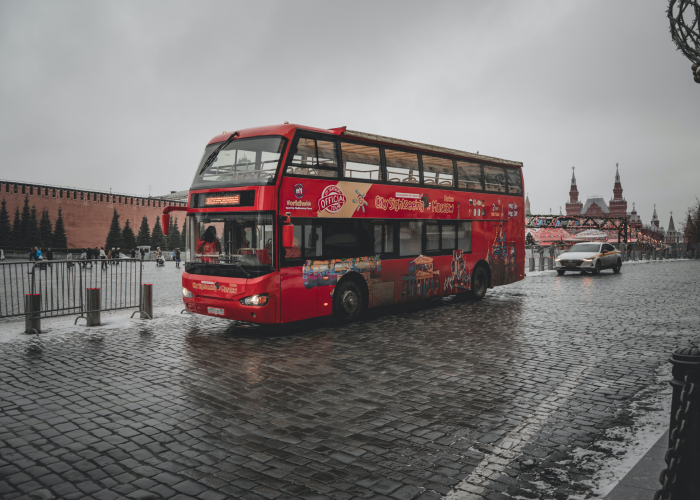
290	222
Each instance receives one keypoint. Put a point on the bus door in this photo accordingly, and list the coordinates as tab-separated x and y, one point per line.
300	283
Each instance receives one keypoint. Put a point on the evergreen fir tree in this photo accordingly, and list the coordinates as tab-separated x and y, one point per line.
157	236
59	239
33	233
184	235
174	236
144	237
5	227
16	230
23	235
114	236
45	229
128	237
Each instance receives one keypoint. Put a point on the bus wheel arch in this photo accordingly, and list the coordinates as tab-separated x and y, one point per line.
349	285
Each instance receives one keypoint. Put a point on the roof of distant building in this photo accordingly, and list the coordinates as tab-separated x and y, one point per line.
176	195
598	200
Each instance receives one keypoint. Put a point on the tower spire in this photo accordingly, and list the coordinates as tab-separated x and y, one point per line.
573	176
574	206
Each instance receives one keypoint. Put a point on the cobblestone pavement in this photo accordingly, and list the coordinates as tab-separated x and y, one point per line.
443	398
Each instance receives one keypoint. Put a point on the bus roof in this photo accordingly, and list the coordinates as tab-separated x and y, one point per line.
288	129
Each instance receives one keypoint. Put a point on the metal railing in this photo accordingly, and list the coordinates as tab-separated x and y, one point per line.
62	286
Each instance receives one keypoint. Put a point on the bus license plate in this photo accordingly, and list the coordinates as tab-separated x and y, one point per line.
215	310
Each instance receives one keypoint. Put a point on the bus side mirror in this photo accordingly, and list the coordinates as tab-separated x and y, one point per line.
166	223
288	235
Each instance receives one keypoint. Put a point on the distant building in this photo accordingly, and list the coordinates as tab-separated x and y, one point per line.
595	205
527	205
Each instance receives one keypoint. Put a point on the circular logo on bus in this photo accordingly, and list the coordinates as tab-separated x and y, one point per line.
332	200
299	191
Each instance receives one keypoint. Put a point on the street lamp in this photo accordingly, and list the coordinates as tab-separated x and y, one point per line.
684	16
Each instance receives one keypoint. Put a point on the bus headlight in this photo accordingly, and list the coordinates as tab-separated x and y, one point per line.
255	300
186	293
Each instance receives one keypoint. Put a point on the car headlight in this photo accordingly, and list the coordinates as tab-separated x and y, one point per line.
255	300
186	293
588	260
557	259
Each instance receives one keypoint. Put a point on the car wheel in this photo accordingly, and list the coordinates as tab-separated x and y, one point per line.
560	272
617	267
596	269
479	283
348	302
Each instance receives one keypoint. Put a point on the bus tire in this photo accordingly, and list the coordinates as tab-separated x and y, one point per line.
479	283
348	302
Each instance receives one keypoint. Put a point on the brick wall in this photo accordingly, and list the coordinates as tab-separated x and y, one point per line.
86	214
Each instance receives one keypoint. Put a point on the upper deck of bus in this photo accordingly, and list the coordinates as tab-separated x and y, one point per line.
268	191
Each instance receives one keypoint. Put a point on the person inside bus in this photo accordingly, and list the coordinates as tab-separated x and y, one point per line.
209	244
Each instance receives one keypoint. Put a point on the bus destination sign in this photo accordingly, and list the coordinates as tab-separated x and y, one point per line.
219	200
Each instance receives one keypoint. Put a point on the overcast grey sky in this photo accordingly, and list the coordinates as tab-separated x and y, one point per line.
126	94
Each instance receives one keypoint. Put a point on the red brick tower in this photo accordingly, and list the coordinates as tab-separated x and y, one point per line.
574	206
618	205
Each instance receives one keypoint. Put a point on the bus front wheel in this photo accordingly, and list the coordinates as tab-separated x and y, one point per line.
348	302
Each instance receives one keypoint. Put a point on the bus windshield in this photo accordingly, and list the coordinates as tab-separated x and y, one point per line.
233	245
244	162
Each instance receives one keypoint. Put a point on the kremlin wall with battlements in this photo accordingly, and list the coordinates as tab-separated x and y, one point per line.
86	214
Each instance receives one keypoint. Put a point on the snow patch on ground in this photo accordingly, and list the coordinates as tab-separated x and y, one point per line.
622	447
13	329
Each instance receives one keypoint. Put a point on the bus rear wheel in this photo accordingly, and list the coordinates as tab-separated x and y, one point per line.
479	283
348	302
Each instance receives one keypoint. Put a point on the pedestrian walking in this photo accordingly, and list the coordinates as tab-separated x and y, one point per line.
117	255
103	257
37	254
49	254
133	253
143	253
31	254
2	255
177	258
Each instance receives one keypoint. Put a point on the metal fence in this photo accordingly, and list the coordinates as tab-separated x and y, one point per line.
62	286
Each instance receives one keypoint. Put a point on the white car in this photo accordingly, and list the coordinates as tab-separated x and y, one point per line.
589	257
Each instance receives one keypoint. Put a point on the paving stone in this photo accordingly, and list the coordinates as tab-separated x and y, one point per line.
405	404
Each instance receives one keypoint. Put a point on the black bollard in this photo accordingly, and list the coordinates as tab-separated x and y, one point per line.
680	479
32	309
93	306
146	301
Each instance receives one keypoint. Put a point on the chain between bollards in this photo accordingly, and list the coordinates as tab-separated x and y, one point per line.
679	480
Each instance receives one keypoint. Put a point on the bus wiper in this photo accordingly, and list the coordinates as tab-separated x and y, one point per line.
215	154
247	274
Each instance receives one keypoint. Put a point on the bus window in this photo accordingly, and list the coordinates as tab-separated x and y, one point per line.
515	185
437	171
432	237
243	162
410	234
464	236
360	161
402	166
313	237
313	157
295	251
383	238
495	179
447	237
469	175
345	239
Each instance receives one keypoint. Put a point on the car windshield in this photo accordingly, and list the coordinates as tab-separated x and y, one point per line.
585	247
244	162
234	245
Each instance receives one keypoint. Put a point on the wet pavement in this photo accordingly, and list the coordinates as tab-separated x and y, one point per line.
446	398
